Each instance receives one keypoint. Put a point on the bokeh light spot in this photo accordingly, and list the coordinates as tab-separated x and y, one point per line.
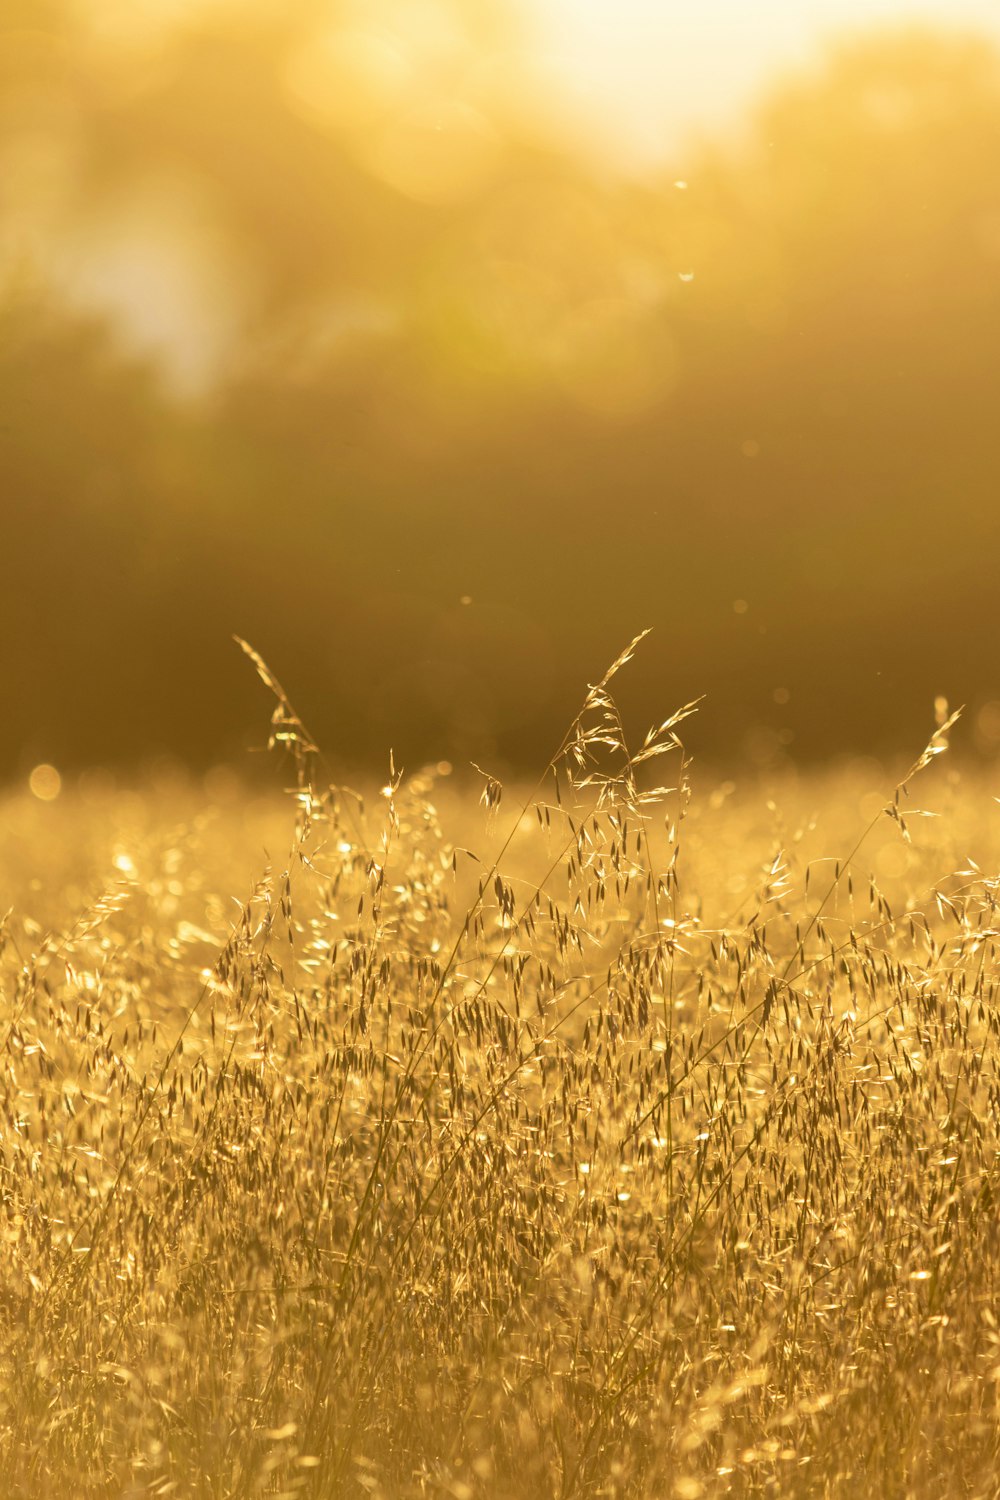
440	153
988	723
45	783
348	80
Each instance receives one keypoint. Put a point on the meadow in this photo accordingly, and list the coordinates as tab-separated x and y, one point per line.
629	1135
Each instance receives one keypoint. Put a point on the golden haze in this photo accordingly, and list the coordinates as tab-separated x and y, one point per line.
315	328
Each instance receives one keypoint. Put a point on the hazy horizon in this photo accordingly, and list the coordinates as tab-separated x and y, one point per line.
453	410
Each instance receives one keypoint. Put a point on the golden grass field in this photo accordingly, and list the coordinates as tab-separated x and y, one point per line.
633	1137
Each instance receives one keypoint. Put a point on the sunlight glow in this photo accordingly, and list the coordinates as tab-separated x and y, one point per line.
640	77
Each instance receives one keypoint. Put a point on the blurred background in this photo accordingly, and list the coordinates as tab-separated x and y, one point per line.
439	346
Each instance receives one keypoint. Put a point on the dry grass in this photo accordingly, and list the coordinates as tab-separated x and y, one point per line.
641	1153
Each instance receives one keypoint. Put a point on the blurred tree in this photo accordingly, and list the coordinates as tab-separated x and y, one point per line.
312	332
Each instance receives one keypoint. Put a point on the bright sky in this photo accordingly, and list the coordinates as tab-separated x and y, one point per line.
647	74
